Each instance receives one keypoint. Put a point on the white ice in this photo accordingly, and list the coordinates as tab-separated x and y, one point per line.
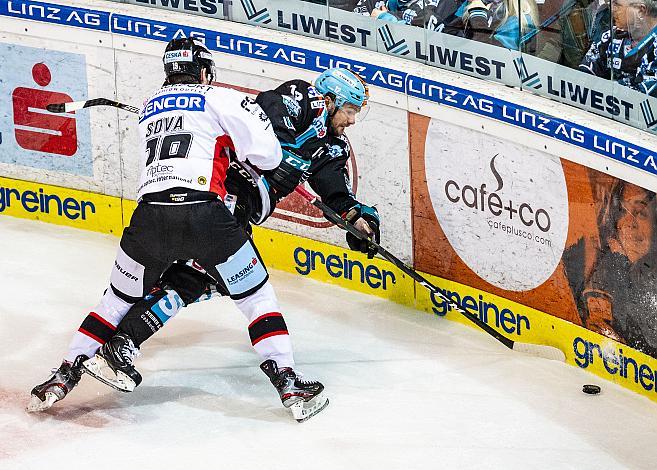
407	390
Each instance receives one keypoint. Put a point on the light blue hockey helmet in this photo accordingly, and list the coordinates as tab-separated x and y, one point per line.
345	85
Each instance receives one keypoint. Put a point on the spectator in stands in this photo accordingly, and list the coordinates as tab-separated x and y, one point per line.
576	25
435	15
601	20
347	5
626	53
498	22
568	29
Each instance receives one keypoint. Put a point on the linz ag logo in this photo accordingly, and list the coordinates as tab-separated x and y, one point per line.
235	278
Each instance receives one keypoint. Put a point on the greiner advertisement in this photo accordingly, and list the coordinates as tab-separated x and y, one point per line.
535	229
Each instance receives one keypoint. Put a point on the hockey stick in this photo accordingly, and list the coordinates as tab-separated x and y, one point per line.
76	105
539	350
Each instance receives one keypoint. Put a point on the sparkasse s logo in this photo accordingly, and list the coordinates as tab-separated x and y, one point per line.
503	208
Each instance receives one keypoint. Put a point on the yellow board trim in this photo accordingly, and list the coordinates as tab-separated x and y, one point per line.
61	206
336	265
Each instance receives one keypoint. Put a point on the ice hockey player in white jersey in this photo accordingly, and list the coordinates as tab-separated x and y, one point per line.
190	133
308	119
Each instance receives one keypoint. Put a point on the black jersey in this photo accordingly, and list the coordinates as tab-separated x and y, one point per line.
299	116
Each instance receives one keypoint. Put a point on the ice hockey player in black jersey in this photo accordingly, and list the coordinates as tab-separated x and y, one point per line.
185	184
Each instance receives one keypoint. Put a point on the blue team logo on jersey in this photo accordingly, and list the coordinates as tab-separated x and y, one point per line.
293	107
334	151
174	102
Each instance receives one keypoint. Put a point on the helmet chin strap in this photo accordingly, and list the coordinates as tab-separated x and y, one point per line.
335	108
330	117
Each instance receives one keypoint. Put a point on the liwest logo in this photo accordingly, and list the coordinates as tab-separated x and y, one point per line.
487	312
648	116
615	362
31	201
183	102
253	14
392	46
309	260
532	81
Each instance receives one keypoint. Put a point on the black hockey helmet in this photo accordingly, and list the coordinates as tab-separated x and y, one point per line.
187	56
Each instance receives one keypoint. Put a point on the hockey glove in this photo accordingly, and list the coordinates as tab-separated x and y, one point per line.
292	171
366	219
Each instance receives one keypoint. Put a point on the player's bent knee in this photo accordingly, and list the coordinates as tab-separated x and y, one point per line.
244	272
189	282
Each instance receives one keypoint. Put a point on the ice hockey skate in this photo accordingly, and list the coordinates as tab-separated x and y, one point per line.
303	398
113	366
57	386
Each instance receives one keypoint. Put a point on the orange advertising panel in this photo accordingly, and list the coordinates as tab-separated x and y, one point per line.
535	229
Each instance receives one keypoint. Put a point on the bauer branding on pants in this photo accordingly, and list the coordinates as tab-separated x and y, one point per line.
242	271
127	275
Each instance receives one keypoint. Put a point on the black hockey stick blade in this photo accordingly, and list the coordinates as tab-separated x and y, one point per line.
538	350
56	107
77	105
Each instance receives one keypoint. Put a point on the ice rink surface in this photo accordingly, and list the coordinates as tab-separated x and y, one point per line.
407	390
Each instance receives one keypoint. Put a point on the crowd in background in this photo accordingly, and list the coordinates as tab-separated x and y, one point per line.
615	41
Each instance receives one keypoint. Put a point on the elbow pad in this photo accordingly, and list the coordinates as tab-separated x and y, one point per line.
292	171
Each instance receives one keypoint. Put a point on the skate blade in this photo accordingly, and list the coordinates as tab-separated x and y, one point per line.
100	370
35	405
304	410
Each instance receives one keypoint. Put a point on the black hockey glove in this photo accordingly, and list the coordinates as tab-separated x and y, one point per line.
369	215
292	171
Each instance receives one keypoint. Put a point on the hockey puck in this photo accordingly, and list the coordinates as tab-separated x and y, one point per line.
591	389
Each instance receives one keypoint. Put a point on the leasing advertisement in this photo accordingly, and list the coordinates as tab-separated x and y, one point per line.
541	231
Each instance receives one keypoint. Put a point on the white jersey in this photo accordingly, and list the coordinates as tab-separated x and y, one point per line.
189	132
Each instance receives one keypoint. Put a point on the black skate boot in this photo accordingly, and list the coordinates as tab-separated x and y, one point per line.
303	397
57	386
112	364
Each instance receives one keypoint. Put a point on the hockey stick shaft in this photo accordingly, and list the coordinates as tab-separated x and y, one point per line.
77	105
534	349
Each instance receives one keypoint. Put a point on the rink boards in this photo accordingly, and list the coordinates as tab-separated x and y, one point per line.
350	270
553	166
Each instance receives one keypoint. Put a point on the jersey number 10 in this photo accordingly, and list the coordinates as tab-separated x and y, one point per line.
168	146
